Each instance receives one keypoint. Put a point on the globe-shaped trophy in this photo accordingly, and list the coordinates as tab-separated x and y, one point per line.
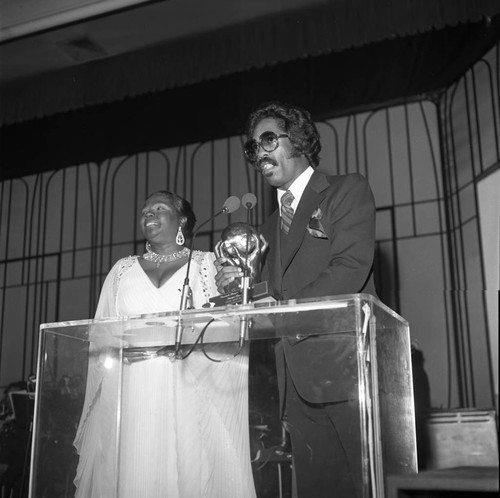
242	246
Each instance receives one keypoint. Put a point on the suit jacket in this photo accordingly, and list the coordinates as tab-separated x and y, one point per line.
329	251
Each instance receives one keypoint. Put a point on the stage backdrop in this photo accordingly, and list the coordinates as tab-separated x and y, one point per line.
60	232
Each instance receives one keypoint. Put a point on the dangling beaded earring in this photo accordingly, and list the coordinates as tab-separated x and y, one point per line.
180	237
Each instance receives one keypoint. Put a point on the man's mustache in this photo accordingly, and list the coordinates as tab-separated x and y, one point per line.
265	160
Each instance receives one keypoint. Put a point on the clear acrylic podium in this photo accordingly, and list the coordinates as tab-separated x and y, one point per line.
380	371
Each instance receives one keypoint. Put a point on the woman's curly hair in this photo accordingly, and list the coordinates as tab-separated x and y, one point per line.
297	123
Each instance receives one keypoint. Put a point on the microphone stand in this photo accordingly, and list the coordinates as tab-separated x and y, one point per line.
244	325
246	277
231	205
245	282
187	293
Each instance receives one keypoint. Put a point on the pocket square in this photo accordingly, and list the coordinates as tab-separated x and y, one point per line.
314	227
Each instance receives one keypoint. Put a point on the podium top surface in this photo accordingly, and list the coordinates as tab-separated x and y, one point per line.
295	318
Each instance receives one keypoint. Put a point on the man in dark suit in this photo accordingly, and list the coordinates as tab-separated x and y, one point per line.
321	243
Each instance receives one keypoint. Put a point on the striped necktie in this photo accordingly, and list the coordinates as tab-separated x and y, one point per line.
286	211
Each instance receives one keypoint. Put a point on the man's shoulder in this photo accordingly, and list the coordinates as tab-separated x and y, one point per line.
342	179
333	183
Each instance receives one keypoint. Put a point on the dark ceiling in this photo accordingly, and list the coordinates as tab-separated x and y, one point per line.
392	70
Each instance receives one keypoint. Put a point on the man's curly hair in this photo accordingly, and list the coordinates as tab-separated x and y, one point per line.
297	123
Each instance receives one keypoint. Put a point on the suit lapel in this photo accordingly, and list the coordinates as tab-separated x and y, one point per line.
309	201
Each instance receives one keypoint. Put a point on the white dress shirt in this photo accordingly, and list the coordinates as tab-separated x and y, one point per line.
297	187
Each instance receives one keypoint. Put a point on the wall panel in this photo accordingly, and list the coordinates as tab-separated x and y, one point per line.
61	231
470	123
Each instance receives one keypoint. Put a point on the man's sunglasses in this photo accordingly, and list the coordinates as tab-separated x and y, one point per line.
269	141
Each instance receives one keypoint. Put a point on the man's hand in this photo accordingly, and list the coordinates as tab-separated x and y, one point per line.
227	272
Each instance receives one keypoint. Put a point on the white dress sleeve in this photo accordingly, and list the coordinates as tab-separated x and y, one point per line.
107	307
203	279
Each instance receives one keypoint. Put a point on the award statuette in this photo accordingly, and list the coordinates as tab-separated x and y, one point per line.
242	246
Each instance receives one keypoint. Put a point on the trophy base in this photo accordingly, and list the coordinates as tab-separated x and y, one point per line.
257	292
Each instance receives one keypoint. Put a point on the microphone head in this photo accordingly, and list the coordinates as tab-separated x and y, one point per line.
249	200
231	204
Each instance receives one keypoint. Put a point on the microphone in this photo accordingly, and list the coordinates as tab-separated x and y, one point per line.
231	204
249	201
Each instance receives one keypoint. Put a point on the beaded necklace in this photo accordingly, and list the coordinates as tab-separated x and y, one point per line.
163	258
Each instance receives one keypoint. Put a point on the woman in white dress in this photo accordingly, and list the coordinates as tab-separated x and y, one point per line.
183	429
